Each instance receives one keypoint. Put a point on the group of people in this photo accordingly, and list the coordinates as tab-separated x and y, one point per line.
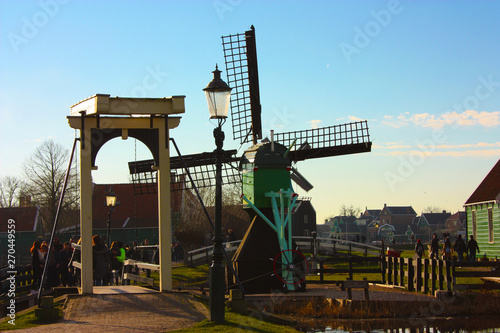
106	260
460	247
59	270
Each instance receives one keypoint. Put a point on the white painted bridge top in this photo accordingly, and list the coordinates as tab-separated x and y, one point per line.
102	104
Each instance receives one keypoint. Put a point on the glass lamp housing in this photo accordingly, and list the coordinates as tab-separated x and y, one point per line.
110	199
218	95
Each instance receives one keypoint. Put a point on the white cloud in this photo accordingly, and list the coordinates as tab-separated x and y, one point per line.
466	118
390	145
467	153
354	118
315	123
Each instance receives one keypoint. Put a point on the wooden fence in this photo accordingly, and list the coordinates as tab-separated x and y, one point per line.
351	270
430	275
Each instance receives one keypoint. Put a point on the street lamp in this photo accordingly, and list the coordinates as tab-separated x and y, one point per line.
218	95
111	203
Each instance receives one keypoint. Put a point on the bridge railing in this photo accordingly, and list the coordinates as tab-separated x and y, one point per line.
331	246
203	255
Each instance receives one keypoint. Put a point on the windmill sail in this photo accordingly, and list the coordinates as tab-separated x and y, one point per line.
240	54
201	167
349	138
300	180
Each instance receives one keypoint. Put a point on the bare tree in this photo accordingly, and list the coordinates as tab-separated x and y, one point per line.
195	227
45	171
432	209
10	188
349	210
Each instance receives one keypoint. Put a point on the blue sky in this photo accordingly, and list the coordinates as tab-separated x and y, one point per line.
425	74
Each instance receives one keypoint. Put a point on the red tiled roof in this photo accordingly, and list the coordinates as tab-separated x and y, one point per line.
24	216
489	189
141	210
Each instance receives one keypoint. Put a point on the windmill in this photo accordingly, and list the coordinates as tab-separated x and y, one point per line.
267	258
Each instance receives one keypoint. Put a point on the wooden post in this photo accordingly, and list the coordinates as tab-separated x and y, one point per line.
126	269
389	270
418	274
448	275
433	276
440	275
367	294
321	271
350	269
426	276
350	248
395	271
411	274
454	278
383	263
401	272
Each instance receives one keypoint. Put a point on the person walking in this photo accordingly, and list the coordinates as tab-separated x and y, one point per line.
434	247
419	249
447	249
459	247
472	247
64	259
36	264
101	260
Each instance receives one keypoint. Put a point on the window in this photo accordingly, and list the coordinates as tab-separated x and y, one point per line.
474	227
490	225
306	232
306	219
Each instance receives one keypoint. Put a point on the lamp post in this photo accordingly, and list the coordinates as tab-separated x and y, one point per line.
110	202
218	95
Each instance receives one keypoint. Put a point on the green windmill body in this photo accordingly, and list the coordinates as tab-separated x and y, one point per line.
264	169
266	251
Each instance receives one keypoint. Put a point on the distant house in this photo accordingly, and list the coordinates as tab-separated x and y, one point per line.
433	220
394	224
430	223
343	227
303	218
28	228
456	224
397	215
371	213
483	213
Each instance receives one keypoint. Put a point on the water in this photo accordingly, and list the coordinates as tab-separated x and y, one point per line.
464	324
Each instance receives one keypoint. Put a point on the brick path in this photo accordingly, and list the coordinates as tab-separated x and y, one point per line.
127	312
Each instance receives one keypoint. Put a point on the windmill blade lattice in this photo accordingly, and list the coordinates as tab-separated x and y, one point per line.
240	54
201	167
349	138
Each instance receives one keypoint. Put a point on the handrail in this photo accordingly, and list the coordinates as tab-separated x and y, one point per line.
329	240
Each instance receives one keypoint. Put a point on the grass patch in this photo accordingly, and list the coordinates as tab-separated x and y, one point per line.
28	320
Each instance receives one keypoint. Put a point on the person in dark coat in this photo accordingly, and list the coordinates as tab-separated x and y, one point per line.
419	249
36	263
434	247
472	247
65	256
101	260
459	248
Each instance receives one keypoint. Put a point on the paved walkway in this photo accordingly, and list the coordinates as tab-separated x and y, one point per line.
126	309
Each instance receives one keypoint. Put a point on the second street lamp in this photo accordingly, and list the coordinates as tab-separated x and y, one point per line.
218	96
111	203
